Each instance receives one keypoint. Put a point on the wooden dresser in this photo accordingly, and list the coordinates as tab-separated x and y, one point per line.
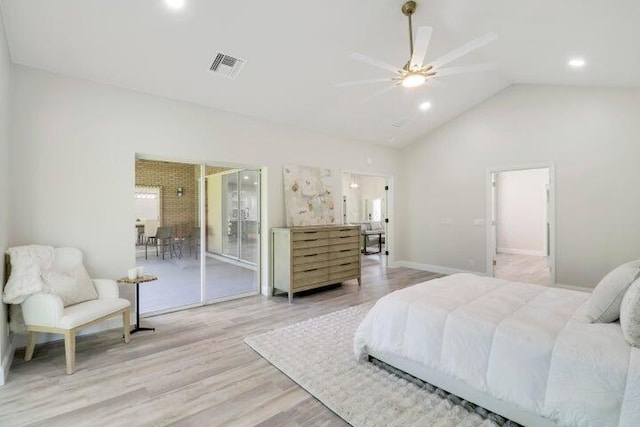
310	257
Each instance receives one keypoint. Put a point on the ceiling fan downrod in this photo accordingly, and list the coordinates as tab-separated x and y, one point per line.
408	9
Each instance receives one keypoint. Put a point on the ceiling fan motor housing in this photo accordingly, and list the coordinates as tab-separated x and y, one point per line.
409	8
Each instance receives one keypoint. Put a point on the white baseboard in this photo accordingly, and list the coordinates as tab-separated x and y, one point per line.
7	359
434	268
521	251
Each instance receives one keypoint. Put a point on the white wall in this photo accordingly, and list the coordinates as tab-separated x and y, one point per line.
74	145
5	80
521	208
592	135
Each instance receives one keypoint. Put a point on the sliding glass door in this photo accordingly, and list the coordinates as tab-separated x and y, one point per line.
232	224
196	229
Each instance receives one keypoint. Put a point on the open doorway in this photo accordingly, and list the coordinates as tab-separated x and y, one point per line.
365	203
521	232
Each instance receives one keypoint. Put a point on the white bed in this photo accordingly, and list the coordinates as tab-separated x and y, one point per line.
523	351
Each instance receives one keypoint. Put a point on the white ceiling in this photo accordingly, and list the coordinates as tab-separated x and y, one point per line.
297	51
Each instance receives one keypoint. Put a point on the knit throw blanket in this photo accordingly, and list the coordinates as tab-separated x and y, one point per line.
27	265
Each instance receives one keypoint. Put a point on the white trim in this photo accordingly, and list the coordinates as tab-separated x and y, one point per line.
433	268
520	251
7	359
490	243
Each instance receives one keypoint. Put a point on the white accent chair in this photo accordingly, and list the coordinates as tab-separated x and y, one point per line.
45	312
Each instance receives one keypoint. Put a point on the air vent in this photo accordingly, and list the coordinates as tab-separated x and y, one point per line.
401	122
226	65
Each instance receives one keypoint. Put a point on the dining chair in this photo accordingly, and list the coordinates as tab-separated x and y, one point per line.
193	240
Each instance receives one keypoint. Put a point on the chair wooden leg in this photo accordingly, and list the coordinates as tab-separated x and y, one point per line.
31	345
70	350
126	324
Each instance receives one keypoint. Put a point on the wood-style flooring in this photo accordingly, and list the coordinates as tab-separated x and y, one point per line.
523	268
194	370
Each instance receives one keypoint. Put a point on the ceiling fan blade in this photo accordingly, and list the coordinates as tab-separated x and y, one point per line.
466	69
361	82
379	64
378	93
464	49
420	46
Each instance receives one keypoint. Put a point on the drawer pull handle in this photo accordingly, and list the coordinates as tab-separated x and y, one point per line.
346	263
311	255
344	237
310	232
310	240
313	269
346	250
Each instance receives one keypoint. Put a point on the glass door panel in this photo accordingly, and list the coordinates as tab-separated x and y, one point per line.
169	249
249	220
232	217
230	246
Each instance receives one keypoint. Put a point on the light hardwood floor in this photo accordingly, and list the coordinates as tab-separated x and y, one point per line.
194	370
523	268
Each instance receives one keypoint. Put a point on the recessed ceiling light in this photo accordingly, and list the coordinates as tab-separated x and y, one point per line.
425	106
246	177
175	4
577	63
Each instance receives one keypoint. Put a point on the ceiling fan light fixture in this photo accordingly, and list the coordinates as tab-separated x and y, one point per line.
175	4
577	63
413	80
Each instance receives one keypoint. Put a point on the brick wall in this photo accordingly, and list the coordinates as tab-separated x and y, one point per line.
178	212
181	213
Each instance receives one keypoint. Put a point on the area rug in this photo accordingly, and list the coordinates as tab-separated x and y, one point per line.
318	355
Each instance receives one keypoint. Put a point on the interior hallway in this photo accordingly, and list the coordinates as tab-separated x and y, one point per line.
523	268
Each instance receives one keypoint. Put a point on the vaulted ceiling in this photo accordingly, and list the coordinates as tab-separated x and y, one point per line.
295	53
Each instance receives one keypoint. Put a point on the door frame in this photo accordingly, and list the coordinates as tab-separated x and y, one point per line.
388	260
491	243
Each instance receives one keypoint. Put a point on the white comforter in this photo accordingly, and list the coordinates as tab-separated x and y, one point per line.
529	345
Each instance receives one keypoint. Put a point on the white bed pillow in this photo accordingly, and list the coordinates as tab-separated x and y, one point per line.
630	314
72	288
604	304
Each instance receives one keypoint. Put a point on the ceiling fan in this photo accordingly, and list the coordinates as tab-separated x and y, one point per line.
416	73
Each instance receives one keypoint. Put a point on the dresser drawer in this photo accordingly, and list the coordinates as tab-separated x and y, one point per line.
299	267
344	240
309	277
341	276
310	251
345	253
343	266
344	232
309	235
312	258
310	243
